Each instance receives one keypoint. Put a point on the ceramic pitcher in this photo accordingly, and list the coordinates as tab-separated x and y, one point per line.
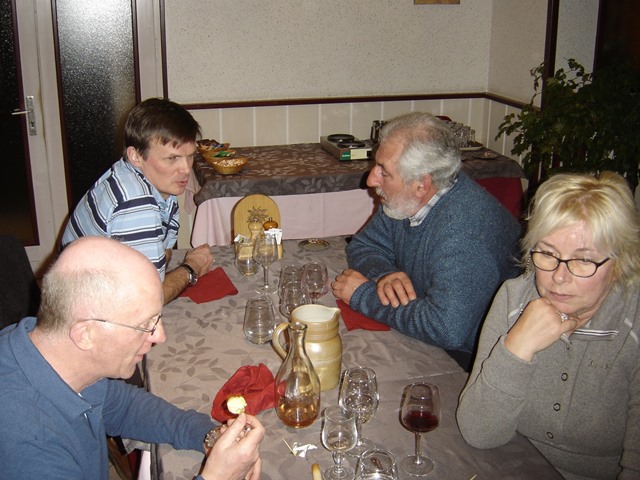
322	342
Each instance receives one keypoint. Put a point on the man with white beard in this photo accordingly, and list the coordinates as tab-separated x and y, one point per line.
435	253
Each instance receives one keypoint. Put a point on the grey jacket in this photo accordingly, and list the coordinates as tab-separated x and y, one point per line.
579	405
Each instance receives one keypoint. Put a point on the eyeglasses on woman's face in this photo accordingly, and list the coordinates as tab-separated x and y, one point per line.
579	267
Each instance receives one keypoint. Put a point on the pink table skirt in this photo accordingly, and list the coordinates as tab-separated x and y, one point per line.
317	215
311	215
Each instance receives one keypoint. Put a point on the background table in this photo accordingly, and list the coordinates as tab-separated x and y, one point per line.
205	346
317	194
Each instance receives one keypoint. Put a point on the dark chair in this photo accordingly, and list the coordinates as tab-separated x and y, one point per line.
19	291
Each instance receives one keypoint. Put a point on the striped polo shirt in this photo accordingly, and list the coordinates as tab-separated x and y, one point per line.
123	205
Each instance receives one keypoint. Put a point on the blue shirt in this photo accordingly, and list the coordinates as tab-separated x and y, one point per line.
123	205
50	431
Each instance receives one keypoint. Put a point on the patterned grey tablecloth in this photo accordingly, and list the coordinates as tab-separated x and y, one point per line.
307	168
205	346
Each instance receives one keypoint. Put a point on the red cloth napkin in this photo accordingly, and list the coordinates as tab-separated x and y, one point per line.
354	320
212	286
255	384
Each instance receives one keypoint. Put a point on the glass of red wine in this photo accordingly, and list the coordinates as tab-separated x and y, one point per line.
419	413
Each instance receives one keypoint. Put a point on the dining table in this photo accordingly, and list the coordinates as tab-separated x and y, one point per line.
317	194
205	345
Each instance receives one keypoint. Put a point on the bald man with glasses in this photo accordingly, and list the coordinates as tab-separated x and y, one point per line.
60	393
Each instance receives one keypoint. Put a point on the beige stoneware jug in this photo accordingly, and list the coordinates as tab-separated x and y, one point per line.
322	342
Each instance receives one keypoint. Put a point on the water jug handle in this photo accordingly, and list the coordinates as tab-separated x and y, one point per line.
275	339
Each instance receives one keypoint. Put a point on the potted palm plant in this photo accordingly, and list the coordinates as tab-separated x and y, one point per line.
588	123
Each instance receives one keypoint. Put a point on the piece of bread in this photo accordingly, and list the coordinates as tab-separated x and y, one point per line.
236	404
315	472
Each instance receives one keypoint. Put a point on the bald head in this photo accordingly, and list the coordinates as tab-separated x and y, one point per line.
92	277
101	253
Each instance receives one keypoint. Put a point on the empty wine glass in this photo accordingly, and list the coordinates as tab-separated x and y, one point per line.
419	413
339	435
315	278
290	272
359	394
293	295
265	252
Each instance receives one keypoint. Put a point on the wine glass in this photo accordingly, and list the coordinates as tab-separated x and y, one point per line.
293	295
265	252
359	394
288	273
339	434
419	413
315	277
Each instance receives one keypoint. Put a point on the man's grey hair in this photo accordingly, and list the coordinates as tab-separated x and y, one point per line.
66	293
430	148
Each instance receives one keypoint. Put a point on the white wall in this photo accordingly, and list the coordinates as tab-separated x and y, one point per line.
518	30
221	51
577	26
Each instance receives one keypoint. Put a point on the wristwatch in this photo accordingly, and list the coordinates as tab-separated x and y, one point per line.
212	437
193	275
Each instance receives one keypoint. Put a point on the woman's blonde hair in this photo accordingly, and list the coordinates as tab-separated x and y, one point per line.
604	203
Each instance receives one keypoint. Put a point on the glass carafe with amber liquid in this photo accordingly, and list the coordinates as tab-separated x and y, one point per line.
297	384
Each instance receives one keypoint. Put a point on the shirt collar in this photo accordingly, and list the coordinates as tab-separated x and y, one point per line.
166	202
44	379
424	211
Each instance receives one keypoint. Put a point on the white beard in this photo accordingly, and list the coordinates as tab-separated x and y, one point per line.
398	208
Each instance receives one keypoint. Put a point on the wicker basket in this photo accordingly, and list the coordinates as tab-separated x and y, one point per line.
227	166
210	147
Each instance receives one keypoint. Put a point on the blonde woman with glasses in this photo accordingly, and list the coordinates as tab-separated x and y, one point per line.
559	357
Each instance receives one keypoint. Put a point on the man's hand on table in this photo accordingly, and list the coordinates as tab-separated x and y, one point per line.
235	455
395	289
200	258
346	283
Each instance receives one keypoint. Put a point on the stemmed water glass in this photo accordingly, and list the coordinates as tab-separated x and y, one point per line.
290	272
339	435
419	413
315	278
265	252
359	394
293	294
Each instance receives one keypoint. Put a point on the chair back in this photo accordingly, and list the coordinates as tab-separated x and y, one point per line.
19	291
251	207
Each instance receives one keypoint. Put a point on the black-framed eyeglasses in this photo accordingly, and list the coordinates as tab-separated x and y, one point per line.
579	267
151	327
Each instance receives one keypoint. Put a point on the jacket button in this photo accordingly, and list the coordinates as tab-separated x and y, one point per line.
564	377
549	435
556	406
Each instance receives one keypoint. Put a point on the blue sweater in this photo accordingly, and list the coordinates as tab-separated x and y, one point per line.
456	259
49	431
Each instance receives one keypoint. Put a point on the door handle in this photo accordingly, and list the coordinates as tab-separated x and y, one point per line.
31	117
